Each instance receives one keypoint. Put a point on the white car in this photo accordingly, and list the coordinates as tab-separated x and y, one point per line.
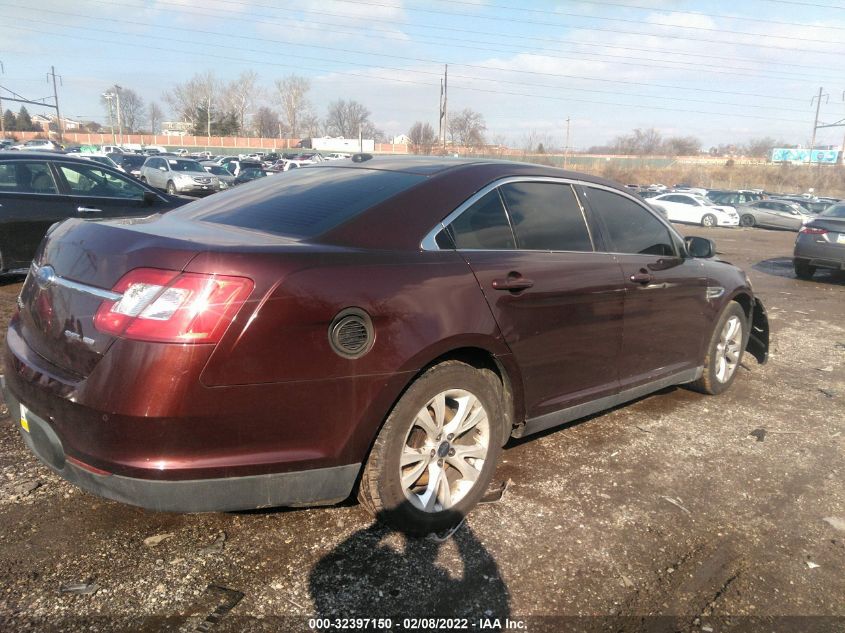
692	209
101	158
41	144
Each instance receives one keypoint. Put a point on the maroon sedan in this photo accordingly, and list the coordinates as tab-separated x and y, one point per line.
388	323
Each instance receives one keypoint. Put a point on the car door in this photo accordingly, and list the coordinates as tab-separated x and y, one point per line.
30	201
691	209
665	292
557	301
101	193
785	216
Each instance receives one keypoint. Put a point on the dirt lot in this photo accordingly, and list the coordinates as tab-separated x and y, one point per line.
719	513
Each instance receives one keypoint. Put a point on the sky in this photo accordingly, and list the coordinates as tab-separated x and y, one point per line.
724	72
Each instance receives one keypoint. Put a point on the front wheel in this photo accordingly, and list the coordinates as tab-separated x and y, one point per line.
171	188
436	453
747	220
724	353
708	220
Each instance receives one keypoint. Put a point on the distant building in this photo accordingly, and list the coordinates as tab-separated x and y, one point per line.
402	139
42	121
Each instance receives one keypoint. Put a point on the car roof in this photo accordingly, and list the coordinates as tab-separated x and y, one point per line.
29	155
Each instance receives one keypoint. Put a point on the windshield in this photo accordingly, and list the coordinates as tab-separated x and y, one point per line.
836	211
217	170
184	165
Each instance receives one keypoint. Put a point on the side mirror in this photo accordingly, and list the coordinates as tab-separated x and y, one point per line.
163	168
700	247
150	198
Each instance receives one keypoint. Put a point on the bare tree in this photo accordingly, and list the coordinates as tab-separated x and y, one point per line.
154	116
640	142
293	91
682	146
239	96
347	118
422	137
467	128
131	107
310	126
762	146
195	100
267	124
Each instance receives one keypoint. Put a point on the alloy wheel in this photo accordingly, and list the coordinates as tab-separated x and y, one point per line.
444	450
728	349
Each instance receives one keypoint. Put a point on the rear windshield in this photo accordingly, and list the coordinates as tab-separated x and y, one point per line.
305	202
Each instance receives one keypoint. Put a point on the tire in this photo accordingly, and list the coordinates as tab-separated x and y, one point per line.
404	497
709	220
803	270
171	188
747	220
724	352
142	179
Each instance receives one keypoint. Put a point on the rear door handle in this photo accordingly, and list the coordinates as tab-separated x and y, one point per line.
514	282
88	210
642	277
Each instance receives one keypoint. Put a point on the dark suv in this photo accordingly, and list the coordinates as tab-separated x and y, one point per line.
386	322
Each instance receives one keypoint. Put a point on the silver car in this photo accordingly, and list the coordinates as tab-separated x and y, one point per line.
821	243
178	175
775	214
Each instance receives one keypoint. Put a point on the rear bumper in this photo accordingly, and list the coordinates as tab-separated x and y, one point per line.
307	487
819	253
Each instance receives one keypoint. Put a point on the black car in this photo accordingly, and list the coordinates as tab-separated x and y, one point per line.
38	189
131	163
250	174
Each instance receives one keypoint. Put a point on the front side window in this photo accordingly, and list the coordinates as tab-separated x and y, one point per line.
483	226
26	177
92	181
630	228
546	217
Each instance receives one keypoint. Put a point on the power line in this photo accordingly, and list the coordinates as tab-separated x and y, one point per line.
559	75
181	8
472	78
229	58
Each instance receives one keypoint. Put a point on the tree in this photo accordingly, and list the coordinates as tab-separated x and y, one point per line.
10	122
311	126
641	142
422	137
91	126
293	91
682	146
347	118
266	123
467	128
155	116
194	101
238	97
23	122
761	146
131	115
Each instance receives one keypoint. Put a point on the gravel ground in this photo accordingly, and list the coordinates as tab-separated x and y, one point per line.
678	512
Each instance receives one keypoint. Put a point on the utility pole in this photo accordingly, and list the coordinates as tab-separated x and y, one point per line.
59	123
117	90
443	102
818	101
566	145
108	96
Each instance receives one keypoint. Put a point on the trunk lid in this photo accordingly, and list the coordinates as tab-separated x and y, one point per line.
73	272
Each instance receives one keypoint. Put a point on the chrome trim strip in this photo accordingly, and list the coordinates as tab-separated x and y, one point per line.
79	287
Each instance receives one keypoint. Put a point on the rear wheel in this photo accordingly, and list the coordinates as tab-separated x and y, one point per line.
803	270
435	456
724	354
708	220
747	220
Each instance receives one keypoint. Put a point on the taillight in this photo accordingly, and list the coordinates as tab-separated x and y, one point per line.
169	307
812	230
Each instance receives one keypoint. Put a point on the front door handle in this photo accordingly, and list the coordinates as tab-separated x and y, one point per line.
514	282
88	210
642	277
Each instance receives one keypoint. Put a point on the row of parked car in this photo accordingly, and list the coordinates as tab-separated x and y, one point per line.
717	207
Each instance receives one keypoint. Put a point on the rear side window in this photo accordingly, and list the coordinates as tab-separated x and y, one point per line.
546	217
629	227
306	202
483	226
26	177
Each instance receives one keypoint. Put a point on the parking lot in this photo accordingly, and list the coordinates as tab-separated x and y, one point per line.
722	512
